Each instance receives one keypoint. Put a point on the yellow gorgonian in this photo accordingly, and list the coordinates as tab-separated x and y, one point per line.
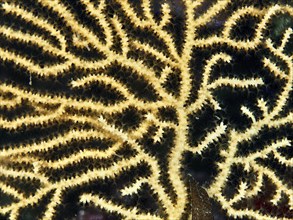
103	102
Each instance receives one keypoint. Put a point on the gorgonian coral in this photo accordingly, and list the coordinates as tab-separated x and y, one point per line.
103	102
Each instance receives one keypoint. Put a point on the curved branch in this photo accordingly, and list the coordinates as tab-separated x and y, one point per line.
33	39
71	21
210	138
11	191
237	15
211	12
249	44
32	67
7	172
108	80
150	24
235	83
284	96
122	34
45	145
81	155
31	120
204	91
35	20
98	14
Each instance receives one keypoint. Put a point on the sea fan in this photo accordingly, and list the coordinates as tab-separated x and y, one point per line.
114	103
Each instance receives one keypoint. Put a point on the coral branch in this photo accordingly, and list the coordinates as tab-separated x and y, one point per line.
54	120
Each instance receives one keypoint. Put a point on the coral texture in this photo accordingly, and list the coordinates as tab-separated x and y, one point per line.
113	103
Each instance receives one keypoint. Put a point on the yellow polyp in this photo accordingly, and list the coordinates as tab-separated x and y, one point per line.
89	119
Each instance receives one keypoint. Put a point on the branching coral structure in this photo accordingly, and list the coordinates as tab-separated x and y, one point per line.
102	102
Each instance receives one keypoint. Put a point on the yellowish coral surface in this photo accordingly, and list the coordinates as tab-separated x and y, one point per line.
32	160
